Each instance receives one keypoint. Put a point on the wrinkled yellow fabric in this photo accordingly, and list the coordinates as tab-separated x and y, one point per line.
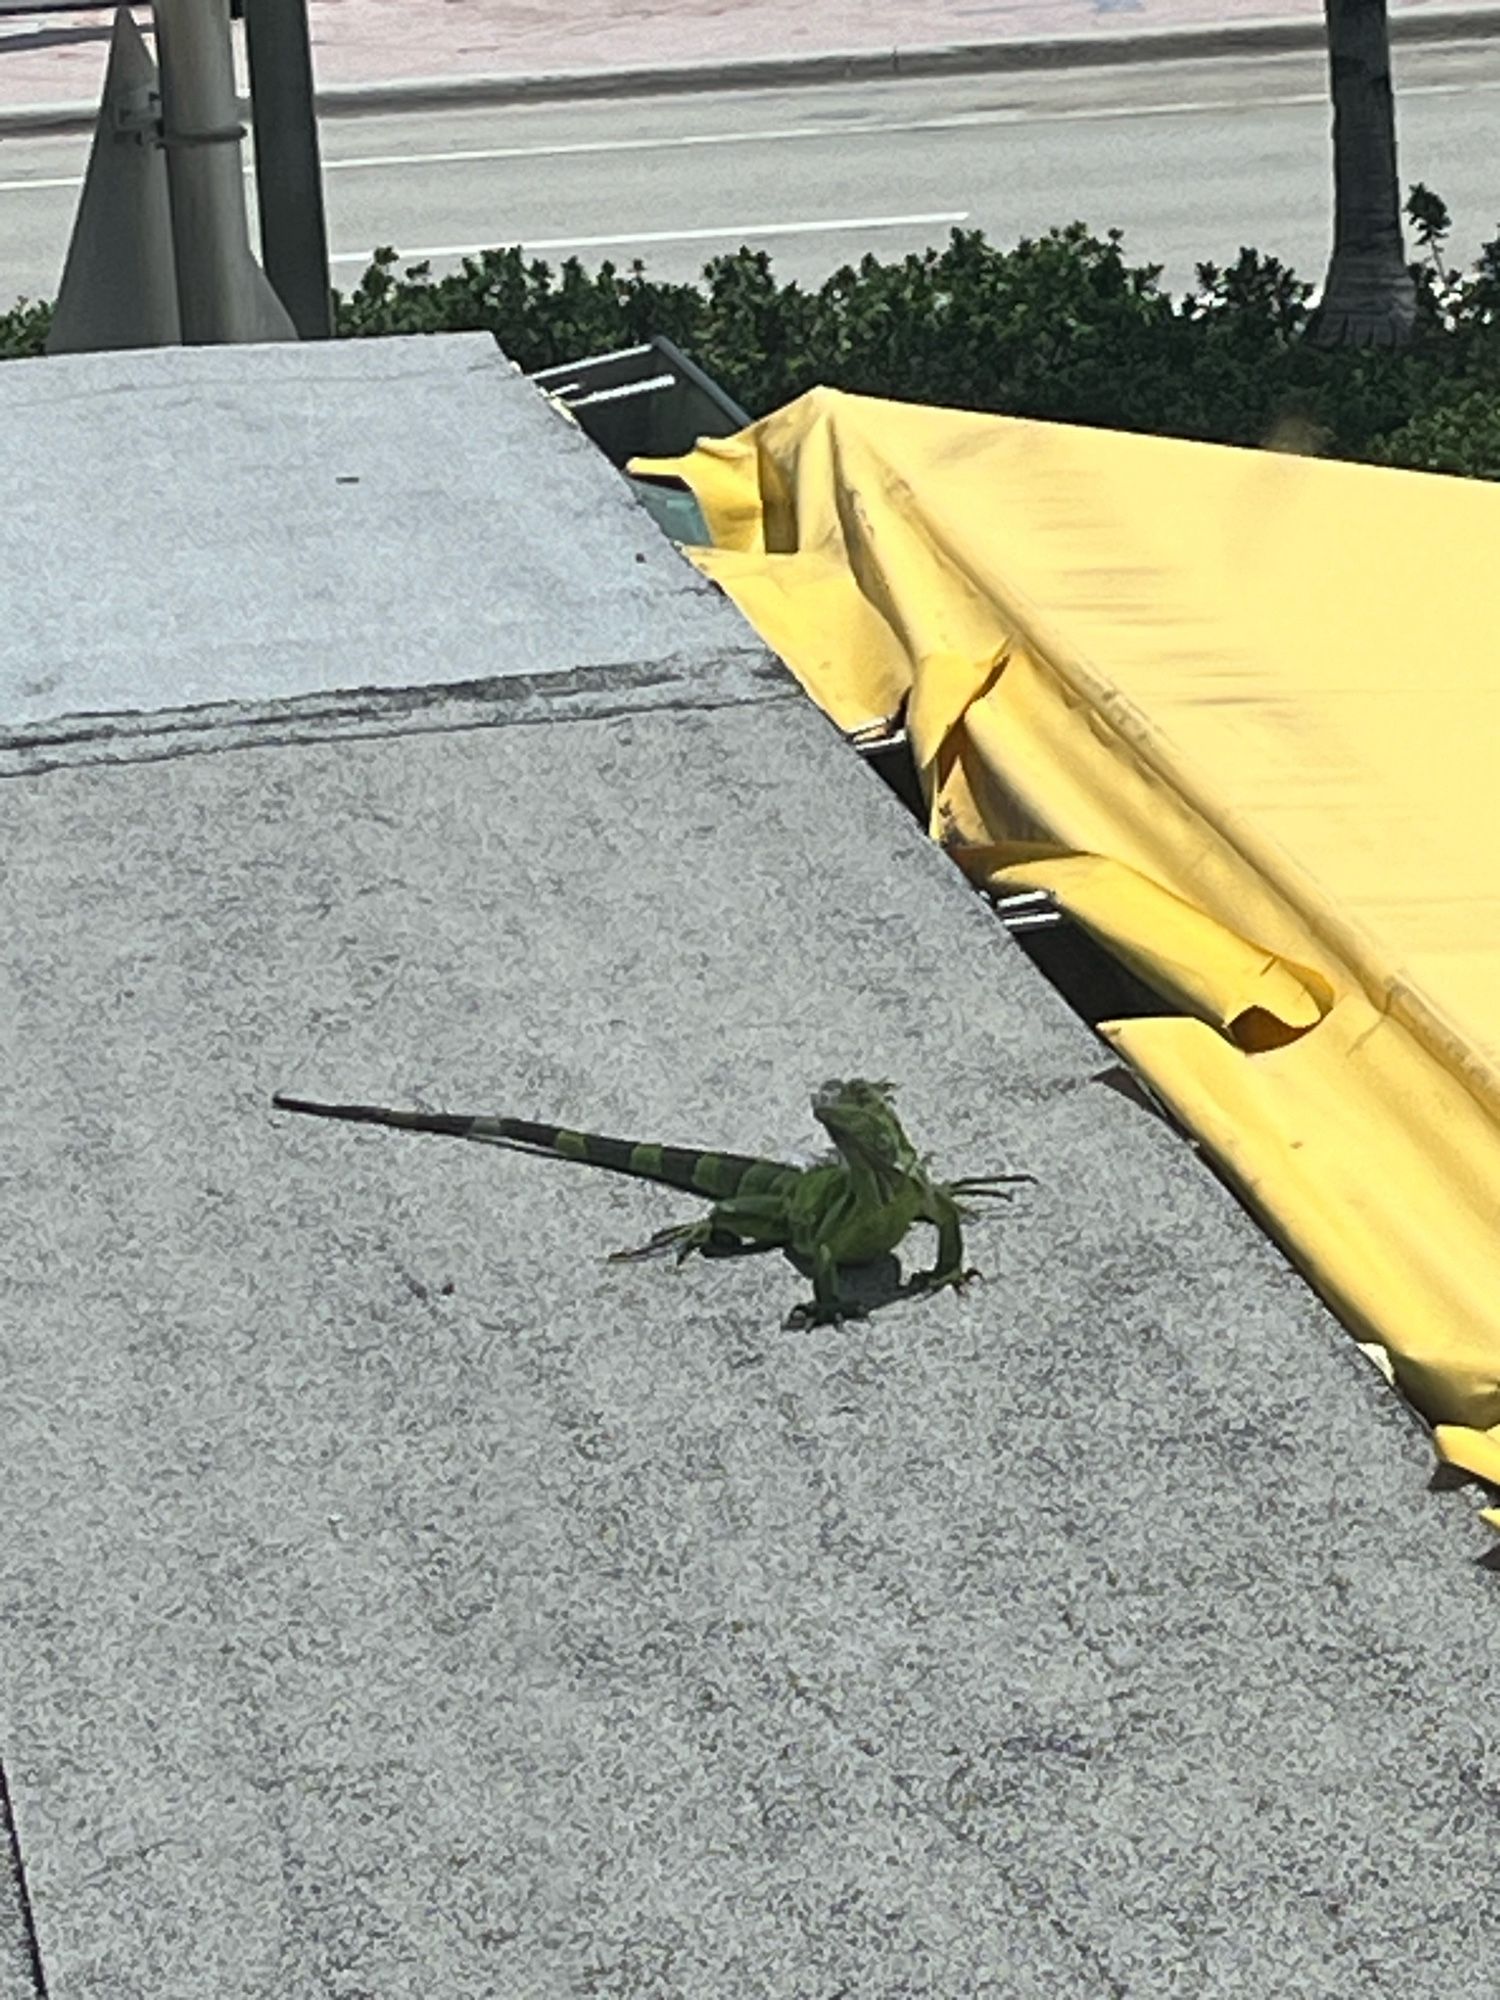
1257	1000
1239	712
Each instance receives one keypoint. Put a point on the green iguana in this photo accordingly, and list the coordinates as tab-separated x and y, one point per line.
852	1208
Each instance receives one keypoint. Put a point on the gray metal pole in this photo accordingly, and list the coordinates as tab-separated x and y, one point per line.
222	292
288	172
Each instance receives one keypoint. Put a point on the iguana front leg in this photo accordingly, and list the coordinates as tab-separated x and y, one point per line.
829	1306
942	1212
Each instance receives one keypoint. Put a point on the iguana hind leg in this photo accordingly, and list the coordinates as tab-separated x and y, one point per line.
683	1239
739	1222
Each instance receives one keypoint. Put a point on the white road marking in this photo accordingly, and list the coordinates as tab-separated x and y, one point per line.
678	141
962	122
729	232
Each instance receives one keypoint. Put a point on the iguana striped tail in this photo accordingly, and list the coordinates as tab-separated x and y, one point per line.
715	1176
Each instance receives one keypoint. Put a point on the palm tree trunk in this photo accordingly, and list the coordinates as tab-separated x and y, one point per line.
1368	299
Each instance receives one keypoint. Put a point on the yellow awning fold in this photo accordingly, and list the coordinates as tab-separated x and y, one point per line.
1256	1000
1239	713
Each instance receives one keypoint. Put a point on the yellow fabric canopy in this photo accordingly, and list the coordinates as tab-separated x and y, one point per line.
1238	712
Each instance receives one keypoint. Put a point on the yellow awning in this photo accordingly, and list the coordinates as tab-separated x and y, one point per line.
1239	712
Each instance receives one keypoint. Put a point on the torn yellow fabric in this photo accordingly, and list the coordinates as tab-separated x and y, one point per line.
1238	712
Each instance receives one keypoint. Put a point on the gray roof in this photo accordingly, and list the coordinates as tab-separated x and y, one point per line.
246	526
397	1598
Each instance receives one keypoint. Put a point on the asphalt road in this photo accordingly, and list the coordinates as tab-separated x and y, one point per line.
1190	159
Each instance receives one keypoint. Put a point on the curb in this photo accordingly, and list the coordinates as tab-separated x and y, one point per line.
1249	38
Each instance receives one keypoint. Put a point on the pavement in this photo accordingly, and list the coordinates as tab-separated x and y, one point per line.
366	50
398	1598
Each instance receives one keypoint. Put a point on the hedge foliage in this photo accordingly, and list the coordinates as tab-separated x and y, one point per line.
1062	326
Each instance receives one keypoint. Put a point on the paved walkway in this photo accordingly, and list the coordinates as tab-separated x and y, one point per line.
49	58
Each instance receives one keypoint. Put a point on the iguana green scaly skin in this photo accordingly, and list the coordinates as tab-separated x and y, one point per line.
848	1210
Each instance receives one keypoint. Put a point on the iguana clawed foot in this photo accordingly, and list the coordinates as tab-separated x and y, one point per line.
810	1313
679	1243
942	1281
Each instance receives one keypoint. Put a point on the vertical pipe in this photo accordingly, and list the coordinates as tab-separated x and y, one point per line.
288	172
219	285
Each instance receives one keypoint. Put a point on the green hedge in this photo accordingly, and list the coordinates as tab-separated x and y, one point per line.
1062	327
23	330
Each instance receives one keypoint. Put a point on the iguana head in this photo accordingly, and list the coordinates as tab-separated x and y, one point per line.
859	1119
